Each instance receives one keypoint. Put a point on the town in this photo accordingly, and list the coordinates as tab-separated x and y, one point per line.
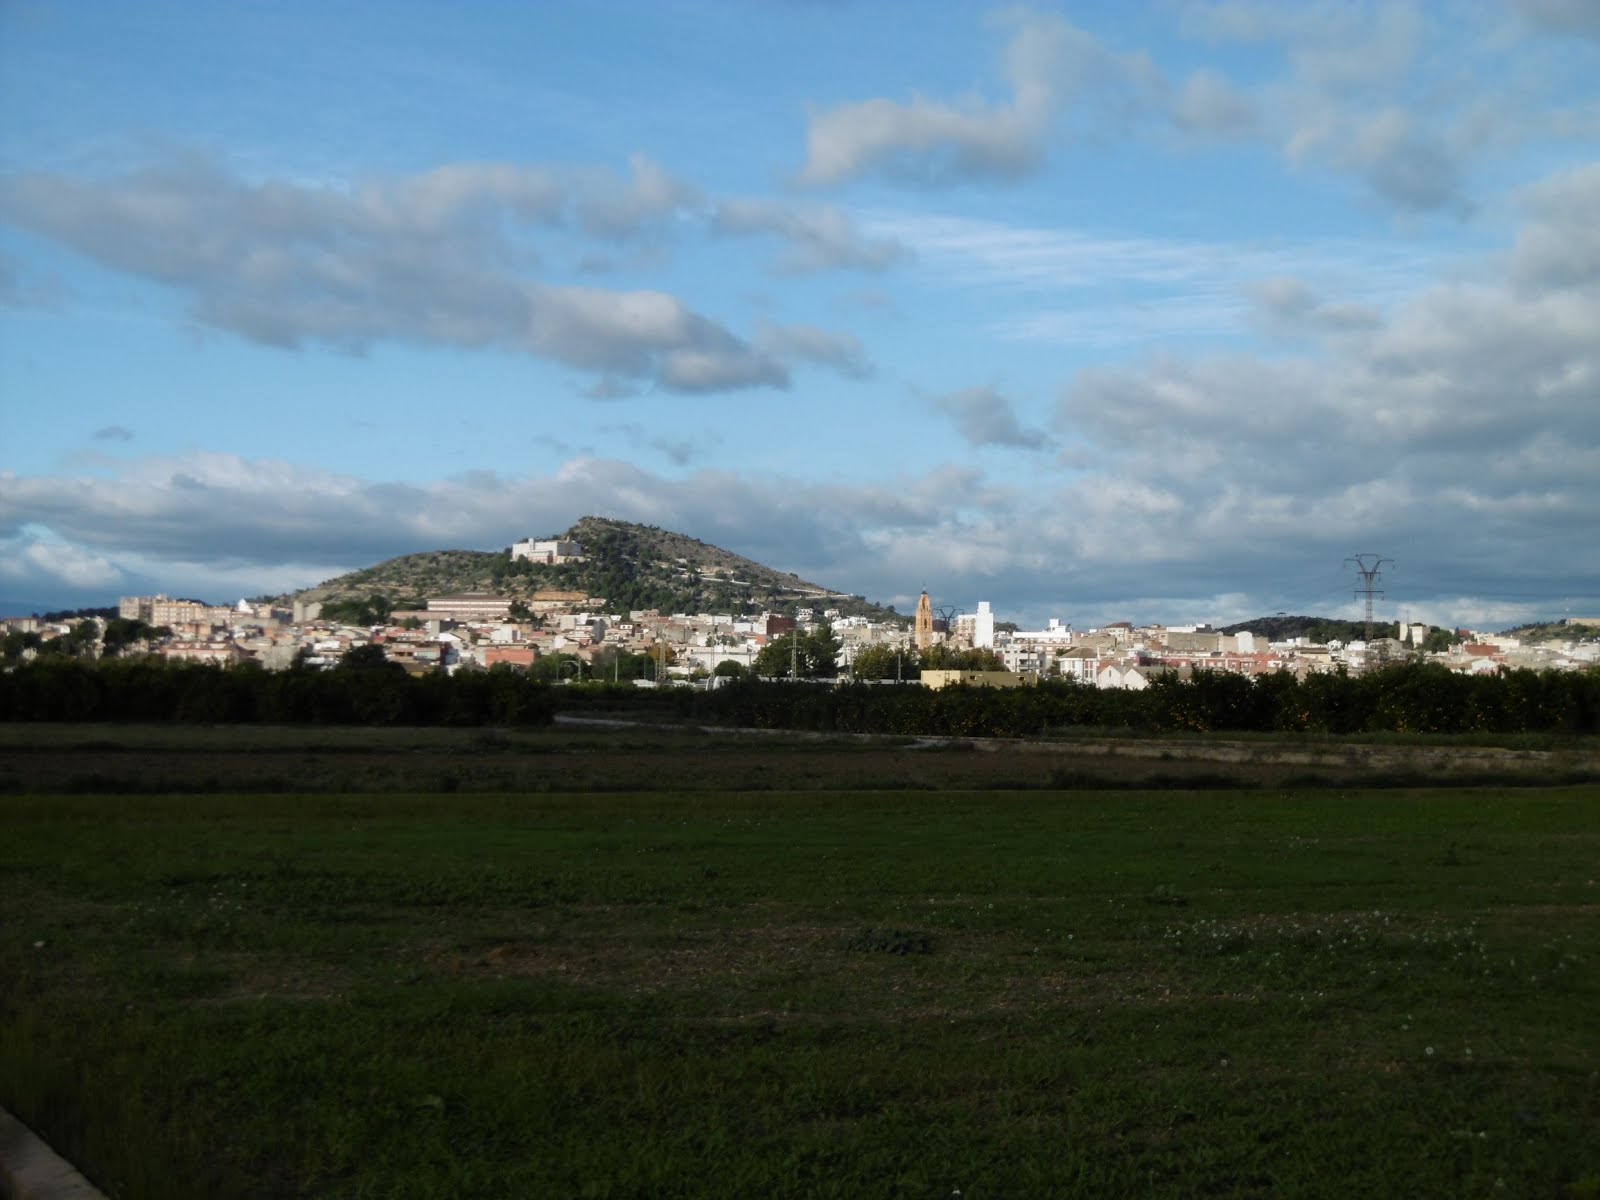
574	637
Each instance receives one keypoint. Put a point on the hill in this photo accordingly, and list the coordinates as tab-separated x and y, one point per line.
627	566
1282	627
1555	631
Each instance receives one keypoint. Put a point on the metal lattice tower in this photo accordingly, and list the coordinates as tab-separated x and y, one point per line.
1367	566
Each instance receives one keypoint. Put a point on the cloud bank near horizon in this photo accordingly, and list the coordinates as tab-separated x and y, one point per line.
1085	321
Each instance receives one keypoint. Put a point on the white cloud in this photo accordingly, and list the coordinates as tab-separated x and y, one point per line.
440	258
44	564
1390	94
1333	43
1290	306
984	417
819	237
1461	436
1221	476
1049	64
611	208
1579	17
1208	104
642	334
841	351
1076	288
1561	245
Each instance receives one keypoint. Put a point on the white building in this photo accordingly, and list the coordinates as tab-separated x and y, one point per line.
549	552
983	627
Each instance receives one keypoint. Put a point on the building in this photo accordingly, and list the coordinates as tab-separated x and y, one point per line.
469	606
1081	663
522	655
983	627
551	553
220	652
994	679
164	610
924	623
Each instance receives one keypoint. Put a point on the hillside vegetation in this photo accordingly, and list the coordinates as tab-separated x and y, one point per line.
1556	631
1282	628
628	566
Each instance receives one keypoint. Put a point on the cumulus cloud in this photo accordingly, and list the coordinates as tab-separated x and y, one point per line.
1461	435
113	433
1377	92
678	450
624	208
1049	64
42	564
1561	246
1461	438
1209	104
1290	306
641	334
1406	165
819	237
439	258
714	370
984	417
1332	43
250	518
1579	17
840	351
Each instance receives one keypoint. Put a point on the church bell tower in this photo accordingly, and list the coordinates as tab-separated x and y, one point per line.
924	625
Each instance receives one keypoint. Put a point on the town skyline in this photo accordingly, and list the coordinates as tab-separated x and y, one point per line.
1147	312
1364	608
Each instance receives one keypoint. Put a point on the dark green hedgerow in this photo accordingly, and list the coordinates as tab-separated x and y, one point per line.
149	690
1411	698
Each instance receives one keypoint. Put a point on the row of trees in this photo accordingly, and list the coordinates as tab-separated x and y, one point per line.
357	693
82	640
890	662
815	652
1407	698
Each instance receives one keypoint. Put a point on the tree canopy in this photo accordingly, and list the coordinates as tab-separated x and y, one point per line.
814	651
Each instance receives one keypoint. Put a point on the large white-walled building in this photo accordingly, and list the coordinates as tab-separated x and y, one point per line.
549	552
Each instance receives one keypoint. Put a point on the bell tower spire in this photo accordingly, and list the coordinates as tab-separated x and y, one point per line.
924	627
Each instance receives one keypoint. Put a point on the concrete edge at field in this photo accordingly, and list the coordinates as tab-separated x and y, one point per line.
30	1170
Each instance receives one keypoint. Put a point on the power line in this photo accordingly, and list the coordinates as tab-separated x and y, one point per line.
1370	574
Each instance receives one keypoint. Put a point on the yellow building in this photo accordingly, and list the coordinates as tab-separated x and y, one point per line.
997	679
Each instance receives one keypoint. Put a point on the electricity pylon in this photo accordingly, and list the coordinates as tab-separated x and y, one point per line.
1370	574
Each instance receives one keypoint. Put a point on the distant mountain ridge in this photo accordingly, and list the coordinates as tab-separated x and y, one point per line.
628	566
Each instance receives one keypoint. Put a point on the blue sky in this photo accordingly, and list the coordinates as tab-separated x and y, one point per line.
1095	311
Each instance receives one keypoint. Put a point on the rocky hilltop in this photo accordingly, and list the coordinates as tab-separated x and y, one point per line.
627	566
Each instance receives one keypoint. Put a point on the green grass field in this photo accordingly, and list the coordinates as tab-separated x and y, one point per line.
822	993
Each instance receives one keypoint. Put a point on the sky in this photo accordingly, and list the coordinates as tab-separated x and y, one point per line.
1096	311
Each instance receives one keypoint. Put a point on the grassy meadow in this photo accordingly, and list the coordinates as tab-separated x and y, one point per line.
852	989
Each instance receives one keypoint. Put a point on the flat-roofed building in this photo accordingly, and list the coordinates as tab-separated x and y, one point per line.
994	679
469	606
551	552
